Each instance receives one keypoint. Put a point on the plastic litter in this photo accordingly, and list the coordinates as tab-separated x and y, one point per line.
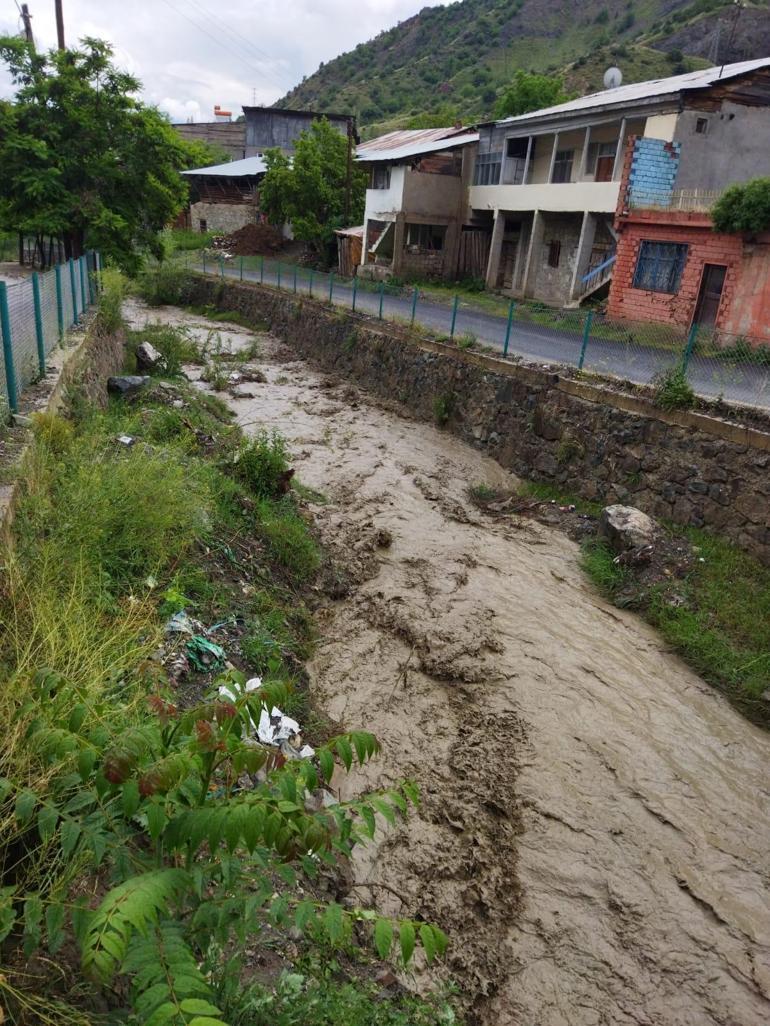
205	655
182	623
127	440
275	728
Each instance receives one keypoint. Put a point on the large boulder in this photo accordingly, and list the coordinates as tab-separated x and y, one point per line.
127	385
626	528
147	357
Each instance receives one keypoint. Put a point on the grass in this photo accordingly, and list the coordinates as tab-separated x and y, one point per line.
551	493
720	623
176	344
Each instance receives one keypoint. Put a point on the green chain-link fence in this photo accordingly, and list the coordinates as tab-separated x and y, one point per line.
35	312
716	366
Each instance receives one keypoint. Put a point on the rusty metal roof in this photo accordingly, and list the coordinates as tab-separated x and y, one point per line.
413	142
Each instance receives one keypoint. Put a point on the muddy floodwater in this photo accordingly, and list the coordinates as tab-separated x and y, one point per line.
594	832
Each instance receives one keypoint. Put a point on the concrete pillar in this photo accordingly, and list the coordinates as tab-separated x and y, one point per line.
399	231
451	249
522	248
584	155
527	160
534	254
617	167
365	246
495	249
583	255
549	179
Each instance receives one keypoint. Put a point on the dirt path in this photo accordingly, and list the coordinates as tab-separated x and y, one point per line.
595	825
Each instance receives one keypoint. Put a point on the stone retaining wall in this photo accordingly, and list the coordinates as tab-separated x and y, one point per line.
587	440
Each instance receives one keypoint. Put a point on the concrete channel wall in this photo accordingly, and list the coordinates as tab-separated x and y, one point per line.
606	446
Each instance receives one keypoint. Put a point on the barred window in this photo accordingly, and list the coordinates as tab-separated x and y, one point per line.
487	169
562	166
660	265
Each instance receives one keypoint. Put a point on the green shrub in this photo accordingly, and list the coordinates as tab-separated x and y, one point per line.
176	345
443	406
673	391
109	311
262	465
163	285
743	208
53	431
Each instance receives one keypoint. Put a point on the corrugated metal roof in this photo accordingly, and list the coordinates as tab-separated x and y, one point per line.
626	95
235	169
399	145
357	232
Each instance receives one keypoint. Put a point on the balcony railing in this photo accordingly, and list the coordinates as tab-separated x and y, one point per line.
683	199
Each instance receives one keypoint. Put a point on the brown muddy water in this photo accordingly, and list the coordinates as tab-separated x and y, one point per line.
594	832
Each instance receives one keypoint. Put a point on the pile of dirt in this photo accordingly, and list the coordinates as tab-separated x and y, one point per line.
251	240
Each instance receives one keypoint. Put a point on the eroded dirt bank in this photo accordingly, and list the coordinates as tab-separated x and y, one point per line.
595	826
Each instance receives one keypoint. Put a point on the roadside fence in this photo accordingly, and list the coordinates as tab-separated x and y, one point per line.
715	365
35	312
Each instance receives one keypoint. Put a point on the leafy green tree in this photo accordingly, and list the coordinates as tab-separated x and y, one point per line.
83	160
530	92
743	208
309	190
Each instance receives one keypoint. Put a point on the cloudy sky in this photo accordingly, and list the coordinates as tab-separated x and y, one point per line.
191	54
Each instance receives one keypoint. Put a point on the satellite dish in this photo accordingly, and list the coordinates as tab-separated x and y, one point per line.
612	78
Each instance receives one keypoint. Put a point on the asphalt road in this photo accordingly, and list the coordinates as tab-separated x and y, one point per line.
741	383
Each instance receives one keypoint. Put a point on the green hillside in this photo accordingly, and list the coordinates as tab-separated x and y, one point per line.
452	62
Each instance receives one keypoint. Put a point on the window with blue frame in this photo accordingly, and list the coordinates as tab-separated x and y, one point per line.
660	265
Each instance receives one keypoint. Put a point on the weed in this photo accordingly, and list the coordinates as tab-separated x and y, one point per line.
467	340
176	345
443	407
569	449
109	311
673	390
163	285
262	465
288	538
482	493
309	494
54	433
351	340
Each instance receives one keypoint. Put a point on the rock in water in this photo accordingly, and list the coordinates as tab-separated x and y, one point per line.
147	357
626	528
127	385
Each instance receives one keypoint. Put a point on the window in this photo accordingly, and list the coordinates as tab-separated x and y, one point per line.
516	160
554	252
487	169
701	126
516	147
659	267
381	176
204	226
425	236
562	166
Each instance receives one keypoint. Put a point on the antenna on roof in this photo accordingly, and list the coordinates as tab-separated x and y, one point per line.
612	78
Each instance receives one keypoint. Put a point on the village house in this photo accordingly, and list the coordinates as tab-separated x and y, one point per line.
416	204
225	197
547	186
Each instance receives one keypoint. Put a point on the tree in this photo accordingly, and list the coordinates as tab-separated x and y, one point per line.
530	92
83	160
743	208
310	190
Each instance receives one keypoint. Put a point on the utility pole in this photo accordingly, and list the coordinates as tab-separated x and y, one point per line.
59	24
349	172
26	17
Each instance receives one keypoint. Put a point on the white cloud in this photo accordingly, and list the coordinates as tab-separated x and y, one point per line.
192	54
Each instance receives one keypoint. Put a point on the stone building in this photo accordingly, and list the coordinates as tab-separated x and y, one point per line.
225	197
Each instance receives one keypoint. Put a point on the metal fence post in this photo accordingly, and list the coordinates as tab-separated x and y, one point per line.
38	321
688	349
204	261
355	290
221	267
261	269
74	292
90	279
382	297
454	317
415	294
82	267
311	282
508	327
295	277
586	336
59	300
5	329
331	286
241	268
279	274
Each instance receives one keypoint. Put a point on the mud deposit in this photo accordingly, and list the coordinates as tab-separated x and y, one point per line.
595	826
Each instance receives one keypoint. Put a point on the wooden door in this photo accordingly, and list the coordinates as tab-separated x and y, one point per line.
710	294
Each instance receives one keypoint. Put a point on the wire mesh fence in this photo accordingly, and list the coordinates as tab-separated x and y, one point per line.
714	365
35	313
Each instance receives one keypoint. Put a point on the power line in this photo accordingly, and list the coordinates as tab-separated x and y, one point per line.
225	46
245	44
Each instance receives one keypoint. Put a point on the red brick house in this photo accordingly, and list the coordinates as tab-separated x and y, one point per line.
671	266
